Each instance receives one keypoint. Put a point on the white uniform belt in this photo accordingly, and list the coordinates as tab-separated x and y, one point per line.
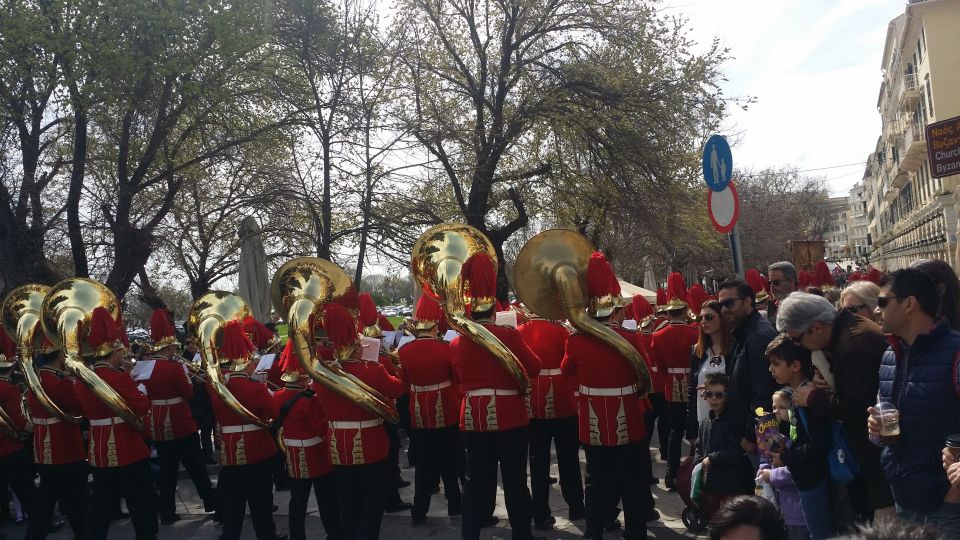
653	368
550	372
171	401
624	391
678	370
430	387
303	443
492	392
45	421
356	424
106	421
240	429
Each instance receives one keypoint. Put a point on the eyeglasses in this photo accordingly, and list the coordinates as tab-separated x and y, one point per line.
729	302
854	309
711	395
882	301
708	317
797	339
777	282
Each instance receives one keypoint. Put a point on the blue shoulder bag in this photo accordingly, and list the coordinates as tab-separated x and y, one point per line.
843	467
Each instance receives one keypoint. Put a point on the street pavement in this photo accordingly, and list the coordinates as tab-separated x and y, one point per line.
197	525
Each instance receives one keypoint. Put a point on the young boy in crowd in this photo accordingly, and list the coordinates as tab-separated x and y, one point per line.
727	470
779	478
806	456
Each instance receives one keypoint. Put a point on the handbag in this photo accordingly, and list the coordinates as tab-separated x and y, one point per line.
843	467
696	484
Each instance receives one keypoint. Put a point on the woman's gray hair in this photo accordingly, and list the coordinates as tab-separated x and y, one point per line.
786	267
800	310
866	292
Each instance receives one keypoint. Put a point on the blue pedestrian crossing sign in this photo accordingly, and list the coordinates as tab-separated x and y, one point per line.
717	163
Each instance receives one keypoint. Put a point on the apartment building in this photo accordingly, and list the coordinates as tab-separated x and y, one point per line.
910	214
857	223
836	236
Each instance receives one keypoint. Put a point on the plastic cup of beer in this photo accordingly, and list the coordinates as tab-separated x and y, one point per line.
889	418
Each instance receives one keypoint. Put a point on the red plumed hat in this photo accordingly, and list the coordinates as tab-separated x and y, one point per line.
855	276
822	276
661	296
261	336
676	292
341	329
874	275
480	275
804	280
161	329
641	307
289	364
600	285
237	347
368	310
696	296
8	349
104	335
755	280
428	313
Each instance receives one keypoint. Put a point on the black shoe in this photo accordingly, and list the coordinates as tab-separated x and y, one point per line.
435	490
545	525
403	483
552	480
670	482
418	520
612	525
653	515
398	506
489	522
653	481
167	520
576	514
210	504
120	515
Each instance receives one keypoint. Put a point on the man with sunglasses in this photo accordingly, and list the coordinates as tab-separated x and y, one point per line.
783	281
752	383
853	347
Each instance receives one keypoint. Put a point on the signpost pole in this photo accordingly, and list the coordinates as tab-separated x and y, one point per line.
734	237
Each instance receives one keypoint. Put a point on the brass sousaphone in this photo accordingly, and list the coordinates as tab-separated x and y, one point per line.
21	311
205	322
550	276
301	288
436	260
65	315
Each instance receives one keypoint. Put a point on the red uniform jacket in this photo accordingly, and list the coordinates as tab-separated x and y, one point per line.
634	339
656	381
113	442
671	349
243	443
354	434
434	398
10	401
56	442
609	408
552	391
170	391
481	378
304	434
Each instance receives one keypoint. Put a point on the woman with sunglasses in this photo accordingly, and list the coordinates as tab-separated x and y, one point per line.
709	355
860	298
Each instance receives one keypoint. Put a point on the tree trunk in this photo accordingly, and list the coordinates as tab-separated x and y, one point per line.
323	250
132	249
74	232
22	259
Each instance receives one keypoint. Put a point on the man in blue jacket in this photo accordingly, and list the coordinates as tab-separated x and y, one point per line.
918	375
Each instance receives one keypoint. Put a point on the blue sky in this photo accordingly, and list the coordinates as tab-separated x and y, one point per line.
814	67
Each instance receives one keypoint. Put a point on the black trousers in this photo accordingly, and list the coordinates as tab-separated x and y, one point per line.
362	494
392	472
436	459
131	481
325	490
677	422
242	486
563	433
16	471
659	411
615	472
486	450
170	454
64	484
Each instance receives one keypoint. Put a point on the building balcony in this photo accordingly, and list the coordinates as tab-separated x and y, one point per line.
890	195
913	150
909	92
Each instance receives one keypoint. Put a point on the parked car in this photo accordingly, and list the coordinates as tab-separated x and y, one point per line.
406	311
390	312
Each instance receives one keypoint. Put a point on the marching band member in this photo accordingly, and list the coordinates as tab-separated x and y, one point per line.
610	417
434	412
358	441
553	417
671	347
57	447
493	414
246	450
16	470
307	450
172	428
644	315
266	342
117	452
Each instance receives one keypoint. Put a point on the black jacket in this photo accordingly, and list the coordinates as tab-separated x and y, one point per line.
753	385
807	456
719	440
696	362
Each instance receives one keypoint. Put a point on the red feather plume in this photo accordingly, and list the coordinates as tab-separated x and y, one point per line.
427	310
821	274
804	280
236	343
676	288
368	310
259	334
288	359
478	271
696	296
103	328
600	276
641	307
661	296
874	275
341	329
753	278
160	325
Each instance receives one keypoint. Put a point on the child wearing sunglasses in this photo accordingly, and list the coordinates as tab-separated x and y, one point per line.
778	477
726	468
810	438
